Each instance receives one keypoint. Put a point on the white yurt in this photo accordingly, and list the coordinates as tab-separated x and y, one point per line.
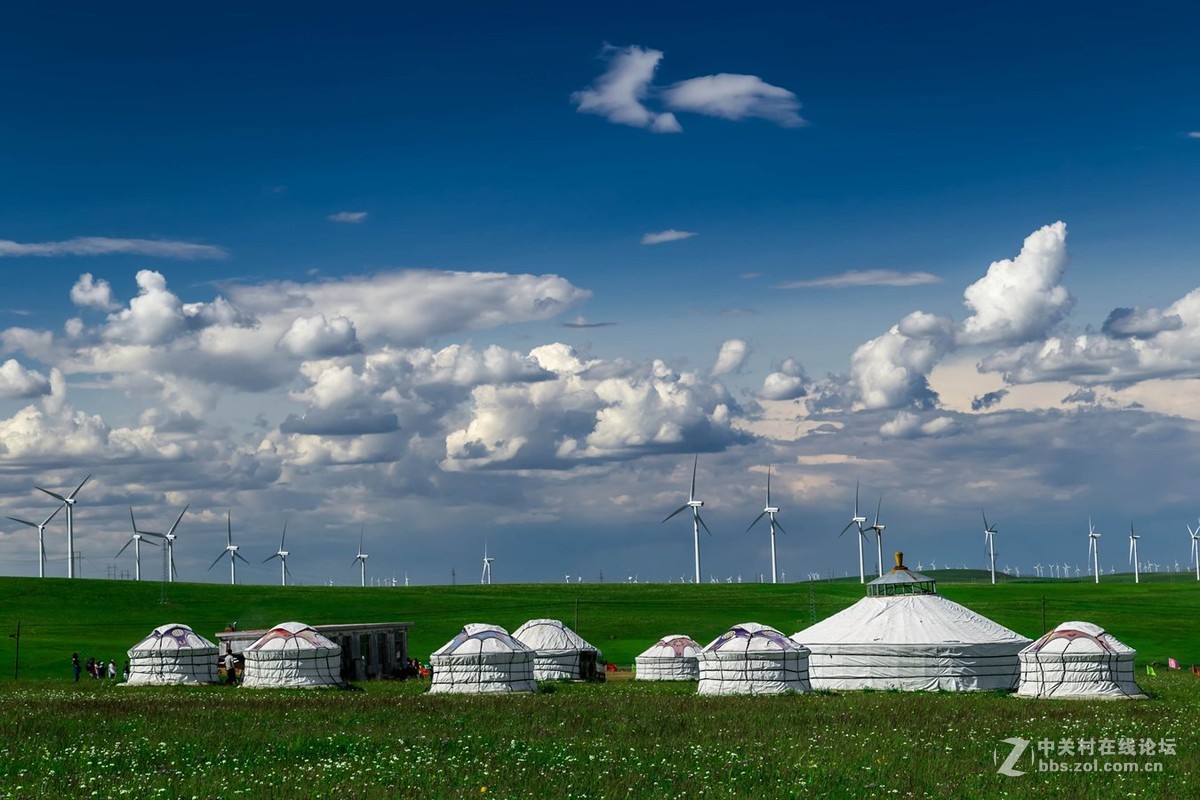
753	659
559	652
1078	660
482	658
904	635
292	654
172	653
671	658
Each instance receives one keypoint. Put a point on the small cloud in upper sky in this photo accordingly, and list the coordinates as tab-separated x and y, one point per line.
1193	134
749	276
1139	323
866	277
737	312
352	217
620	95
988	400
103	245
582	322
669	235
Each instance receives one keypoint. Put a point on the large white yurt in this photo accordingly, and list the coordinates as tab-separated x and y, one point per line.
172	653
292	654
671	658
904	635
559	652
482	658
1078	660
753	659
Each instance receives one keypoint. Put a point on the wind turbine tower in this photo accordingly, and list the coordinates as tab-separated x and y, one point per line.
1195	534
857	520
878	528
69	501
136	541
41	529
486	578
695	505
230	548
282	555
1093	550
769	511
361	559
1133	556
989	534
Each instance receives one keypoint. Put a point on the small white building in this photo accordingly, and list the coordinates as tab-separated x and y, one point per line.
671	658
482	658
172	653
292	654
750	658
1079	660
559	652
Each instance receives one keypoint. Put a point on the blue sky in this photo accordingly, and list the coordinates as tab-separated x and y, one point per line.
347	267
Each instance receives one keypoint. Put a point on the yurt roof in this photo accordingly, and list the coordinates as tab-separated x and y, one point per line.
751	636
907	619
1078	638
675	645
544	635
174	636
902	580
484	638
293	634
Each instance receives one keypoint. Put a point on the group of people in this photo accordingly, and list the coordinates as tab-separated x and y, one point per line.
415	669
97	669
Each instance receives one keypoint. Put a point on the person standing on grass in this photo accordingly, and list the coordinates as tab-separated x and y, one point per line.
112	670
230	671
75	665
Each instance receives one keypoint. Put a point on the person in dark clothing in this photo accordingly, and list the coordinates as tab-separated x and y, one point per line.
76	666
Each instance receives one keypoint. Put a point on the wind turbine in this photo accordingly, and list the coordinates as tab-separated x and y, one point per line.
41	529
875	526
1133	556
989	535
361	559
69	501
230	548
1195	534
695	505
857	519
1093	550
486	578
769	511
282	555
136	541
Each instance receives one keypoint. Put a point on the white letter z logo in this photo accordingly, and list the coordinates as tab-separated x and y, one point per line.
1018	749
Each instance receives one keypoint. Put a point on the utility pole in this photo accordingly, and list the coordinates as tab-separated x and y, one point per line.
453	578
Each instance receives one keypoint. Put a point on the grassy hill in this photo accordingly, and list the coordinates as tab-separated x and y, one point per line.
104	618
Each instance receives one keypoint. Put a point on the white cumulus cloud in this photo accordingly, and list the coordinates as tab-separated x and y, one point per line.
318	337
867	277
618	94
351	217
100	245
731	357
93	293
18	382
735	97
669	235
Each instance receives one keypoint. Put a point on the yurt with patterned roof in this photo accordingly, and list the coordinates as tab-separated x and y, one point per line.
750	658
482	658
904	635
172	653
292	654
1079	660
671	658
559	652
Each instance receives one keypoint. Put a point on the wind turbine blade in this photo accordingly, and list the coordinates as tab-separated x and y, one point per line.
53	514
177	520
856	498
55	495
756	519
77	488
132	521
283	538
236	554
217	559
174	572
849	525
24	522
768	484
229	527
700	519
985	525
286	571
877	507
777	525
268	558
147	541
683	507
695	463
360	537
122	550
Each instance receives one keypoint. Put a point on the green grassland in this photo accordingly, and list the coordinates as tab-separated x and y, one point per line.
104	618
618	739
